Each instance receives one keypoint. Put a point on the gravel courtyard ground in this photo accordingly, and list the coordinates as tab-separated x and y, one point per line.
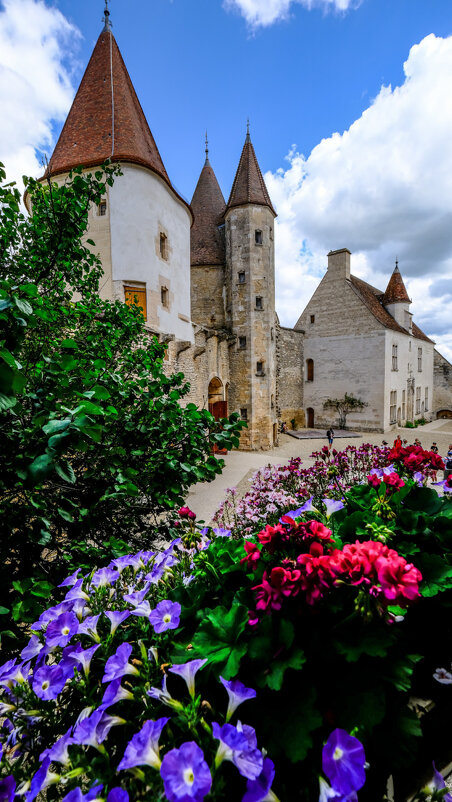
205	498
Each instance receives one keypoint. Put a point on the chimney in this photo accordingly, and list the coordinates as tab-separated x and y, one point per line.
339	263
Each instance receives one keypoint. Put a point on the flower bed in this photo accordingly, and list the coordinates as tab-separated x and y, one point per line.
220	668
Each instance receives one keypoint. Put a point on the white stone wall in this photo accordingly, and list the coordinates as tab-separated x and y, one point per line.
407	369
141	207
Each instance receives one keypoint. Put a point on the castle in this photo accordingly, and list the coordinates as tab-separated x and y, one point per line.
204	274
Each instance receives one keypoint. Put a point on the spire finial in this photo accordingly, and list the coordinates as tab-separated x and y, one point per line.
207	148
107	23
248	138
396	263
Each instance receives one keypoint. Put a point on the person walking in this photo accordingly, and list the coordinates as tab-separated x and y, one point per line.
330	437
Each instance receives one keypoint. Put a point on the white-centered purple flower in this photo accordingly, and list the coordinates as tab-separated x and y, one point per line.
326	793
32	649
332	505
77	592
60	631
104	577
89	627
188	671
239	745
237	693
92	730
137	596
48	682
219	532
164	696
143	748
116	618
70	580
343	762
84	657
165	616
118	664
185	774
129	560
114	692
77	795
142	610
59	752
259	790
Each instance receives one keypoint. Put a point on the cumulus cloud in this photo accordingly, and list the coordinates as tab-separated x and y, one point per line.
382	188
261	13
35	81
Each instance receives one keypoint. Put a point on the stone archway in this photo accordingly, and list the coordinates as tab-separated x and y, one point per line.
444	413
218	405
310	418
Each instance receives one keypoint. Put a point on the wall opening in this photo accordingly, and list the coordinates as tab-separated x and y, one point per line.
310	418
309	370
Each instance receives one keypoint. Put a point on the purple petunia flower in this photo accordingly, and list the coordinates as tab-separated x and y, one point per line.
239	745
118	795
68	662
137	596
327	793
164	696
76	795
187	671
58	753
117	665
114	692
48	682
41	780
332	505
143	748
60	631
84	657
237	694
7	788
70	580
259	790
33	648
142	610
185	774
93	730
343	761
116	618
165	616
104	577
130	560
77	592
222	532
89	627
438	784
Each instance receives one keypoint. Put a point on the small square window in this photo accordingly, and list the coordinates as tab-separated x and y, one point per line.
260	368
164	296
241	278
242	343
312	318
244	414
258	237
102	208
259	302
163	245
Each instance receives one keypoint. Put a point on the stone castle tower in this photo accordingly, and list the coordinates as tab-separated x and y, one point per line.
233	287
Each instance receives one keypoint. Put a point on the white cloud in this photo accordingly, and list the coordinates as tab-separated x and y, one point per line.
35	81
265	12
383	188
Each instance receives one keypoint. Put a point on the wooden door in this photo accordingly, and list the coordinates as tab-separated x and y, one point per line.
219	409
135	296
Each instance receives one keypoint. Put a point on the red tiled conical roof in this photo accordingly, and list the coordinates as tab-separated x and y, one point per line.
395	291
208	205
106	119
249	185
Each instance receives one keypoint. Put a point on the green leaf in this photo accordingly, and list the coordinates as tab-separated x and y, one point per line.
293	738
65	470
24	307
42	589
7	402
374	642
5	303
4	610
217	638
423	499
68	362
23	585
436	574
40	467
274	675
65	515
101	393
55	426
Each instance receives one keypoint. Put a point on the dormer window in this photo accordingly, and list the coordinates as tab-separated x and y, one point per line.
163	246
258	237
102	208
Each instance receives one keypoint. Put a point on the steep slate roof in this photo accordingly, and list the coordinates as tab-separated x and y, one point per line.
208	206
373	299
249	185
395	291
106	119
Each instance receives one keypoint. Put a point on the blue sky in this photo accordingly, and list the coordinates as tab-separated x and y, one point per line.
350	109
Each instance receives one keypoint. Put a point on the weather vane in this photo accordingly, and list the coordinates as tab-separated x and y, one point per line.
107	16
207	147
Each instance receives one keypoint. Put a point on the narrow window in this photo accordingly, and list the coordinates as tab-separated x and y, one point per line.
135	296
163	245
258	237
394	357
418	400
419	359
272	402
309	370
102	208
393	406
260	368
312	318
164	296
244	413
403	404
259	302
241	278
242	343
426	399
272	334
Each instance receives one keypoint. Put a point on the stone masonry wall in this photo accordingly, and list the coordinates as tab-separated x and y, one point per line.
208	295
442	384
290	377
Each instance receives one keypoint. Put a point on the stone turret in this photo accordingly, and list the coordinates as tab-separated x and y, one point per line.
397	301
250	301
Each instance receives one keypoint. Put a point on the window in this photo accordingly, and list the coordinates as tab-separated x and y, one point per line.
242	343
418	400
403	404
164	296
394	357
272	334
426	399
309	370
312	318
241	278
419	359
270	231
136	296
272	402
244	413
102	208
258	237
163	245
259	302
393	406
260	369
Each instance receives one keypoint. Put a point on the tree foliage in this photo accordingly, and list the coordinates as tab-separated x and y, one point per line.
96	441
343	406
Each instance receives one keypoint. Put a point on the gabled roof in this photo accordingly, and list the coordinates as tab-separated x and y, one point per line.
208	205
373	300
106	119
396	291
249	185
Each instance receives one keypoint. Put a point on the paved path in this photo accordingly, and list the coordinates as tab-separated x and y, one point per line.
205	498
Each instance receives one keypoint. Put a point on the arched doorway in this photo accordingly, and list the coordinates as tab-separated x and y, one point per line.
444	413
218	405
310	418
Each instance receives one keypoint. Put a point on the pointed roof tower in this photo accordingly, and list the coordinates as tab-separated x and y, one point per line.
249	185
395	291
106	119
208	205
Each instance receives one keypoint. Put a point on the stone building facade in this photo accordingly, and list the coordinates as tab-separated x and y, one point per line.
362	341
442	386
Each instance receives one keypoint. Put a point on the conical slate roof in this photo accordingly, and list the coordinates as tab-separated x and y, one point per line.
208	205
106	119
249	185
395	291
